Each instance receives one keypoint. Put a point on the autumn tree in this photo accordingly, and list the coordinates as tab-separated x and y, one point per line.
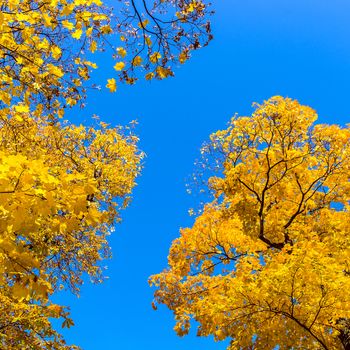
44	45
61	189
266	263
62	186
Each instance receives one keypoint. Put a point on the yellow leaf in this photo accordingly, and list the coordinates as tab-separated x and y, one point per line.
149	76
77	34
143	24
68	25
111	85
47	19
55	70
20	292
119	66
56	52
67	10
137	61
183	57
163	72
70	101
93	46
22	108
89	31
121	51
155	57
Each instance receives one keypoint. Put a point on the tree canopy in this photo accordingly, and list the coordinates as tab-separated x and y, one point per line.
44	45
266	262
61	189
62	186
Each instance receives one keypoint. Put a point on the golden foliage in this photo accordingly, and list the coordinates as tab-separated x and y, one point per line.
37	62
61	188
164	33
266	263
43	45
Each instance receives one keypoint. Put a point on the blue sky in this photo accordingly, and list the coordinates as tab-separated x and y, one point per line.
299	49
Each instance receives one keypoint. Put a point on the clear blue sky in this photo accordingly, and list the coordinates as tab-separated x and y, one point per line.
294	48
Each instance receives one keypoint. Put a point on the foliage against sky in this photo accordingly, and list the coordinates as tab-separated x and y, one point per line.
266	263
261	49
62	186
317	65
58	186
44	45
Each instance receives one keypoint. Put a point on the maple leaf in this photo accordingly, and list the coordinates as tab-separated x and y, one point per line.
119	66
111	85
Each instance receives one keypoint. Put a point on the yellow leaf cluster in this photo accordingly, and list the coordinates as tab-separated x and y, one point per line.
266	263
34	39
37	55
61	188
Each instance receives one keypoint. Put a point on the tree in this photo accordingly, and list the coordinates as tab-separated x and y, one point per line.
63	186
266	262
61	189
44	45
